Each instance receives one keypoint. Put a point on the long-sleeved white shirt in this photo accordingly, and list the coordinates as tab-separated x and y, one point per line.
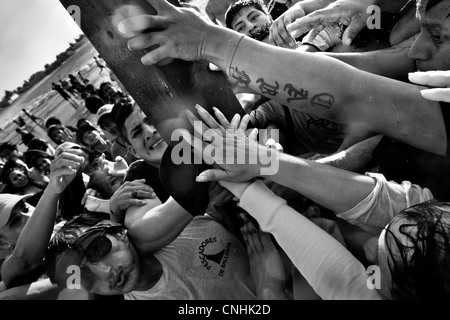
331	270
385	201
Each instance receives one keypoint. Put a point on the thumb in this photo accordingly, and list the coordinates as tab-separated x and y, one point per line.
436	94
213	175
119	159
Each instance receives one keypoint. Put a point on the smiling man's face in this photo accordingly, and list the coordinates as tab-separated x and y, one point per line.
145	140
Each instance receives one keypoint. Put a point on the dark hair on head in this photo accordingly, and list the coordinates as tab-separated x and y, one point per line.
104	84
80	122
52	121
233	9
7	146
37	144
120	113
421	270
66	236
32	156
8	167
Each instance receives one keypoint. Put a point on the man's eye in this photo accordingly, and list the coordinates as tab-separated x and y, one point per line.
136	133
437	39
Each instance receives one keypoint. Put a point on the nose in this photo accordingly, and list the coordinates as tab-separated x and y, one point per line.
422	48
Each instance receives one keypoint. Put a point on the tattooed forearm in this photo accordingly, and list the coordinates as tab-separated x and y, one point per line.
295	94
240	76
267	88
324	100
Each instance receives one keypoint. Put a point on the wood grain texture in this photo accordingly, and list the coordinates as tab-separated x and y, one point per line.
162	92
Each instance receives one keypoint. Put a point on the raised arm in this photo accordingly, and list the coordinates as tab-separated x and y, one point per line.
311	83
331	270
155	225
391	62
352	13
34	238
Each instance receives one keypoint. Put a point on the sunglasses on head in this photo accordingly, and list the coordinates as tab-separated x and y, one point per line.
98	249
91	247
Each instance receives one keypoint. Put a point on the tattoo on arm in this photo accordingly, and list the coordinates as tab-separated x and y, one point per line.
324	100
267	88
294	93
240	76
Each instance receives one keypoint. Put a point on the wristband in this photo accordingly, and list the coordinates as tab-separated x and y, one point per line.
97	205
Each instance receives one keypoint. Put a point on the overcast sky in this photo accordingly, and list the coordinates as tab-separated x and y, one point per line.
32	34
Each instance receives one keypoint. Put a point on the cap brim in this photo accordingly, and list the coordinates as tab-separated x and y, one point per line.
82	130
7	210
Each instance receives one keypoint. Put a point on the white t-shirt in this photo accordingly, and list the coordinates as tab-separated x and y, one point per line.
205	262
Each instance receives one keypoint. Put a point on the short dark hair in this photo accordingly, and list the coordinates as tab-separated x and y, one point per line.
80	122
52	121
421	270
8	167
234	8
120	113
103	85
32	156
7	146
38	144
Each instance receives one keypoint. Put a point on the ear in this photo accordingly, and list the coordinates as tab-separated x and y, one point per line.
131	150
371	250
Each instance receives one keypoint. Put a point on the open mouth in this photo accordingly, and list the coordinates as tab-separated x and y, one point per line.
157	143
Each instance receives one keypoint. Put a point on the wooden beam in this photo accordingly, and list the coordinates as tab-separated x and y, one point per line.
162	92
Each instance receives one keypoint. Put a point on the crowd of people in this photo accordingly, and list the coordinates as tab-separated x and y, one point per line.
356	128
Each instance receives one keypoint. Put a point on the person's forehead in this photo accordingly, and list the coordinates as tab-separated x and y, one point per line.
15	172
438	16
243	14
134	119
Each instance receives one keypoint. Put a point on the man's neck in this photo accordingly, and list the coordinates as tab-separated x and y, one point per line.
153	163
151	272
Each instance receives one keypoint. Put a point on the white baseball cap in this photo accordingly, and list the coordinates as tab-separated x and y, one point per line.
7	203
102	111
